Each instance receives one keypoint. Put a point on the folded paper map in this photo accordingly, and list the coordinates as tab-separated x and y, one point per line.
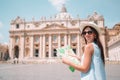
66	52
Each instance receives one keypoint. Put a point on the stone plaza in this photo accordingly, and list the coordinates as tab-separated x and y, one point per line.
53	71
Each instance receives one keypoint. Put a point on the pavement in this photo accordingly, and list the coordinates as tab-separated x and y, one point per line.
53	71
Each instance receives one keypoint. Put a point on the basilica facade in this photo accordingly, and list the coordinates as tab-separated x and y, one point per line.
114	43
40	39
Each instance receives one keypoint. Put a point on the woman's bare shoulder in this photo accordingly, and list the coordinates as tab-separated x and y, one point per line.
89	47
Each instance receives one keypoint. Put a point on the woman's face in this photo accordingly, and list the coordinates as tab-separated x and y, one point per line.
88	34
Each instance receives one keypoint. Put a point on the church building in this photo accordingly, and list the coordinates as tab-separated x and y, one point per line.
36	40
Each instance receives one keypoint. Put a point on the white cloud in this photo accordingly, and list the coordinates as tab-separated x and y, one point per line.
58	3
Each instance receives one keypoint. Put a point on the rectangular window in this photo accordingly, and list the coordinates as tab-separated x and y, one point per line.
17	26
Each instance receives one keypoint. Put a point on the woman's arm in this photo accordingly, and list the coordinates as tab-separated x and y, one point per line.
86	62
76	56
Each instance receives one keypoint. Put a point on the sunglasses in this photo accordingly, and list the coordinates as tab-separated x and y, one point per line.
85	32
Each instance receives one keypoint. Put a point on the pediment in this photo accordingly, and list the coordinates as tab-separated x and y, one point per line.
54	26
17	20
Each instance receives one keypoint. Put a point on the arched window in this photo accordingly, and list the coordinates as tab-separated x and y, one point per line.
54	38
73	38
36	38
16	39
46	39
62	39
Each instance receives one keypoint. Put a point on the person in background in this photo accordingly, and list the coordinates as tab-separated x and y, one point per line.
92	65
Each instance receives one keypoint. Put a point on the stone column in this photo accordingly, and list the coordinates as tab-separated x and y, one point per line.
59	41
78	44
40	46
65	39
81	45
31	46
50	46
11	46
103	41
69	39
22	46
43	46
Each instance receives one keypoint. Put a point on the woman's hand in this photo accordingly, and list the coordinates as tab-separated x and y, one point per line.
73	55
65	60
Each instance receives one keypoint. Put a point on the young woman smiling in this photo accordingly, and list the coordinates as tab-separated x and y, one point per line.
92	61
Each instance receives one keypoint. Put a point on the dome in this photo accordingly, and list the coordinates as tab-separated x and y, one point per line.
63	14
63	9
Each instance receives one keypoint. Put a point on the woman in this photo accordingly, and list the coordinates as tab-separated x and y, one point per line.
92	61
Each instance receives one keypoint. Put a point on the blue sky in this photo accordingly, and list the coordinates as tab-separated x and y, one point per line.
10	9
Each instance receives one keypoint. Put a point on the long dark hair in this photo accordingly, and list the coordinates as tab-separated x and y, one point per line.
97	41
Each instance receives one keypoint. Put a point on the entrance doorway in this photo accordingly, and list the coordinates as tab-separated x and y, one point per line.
16	52
36	54
54	53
